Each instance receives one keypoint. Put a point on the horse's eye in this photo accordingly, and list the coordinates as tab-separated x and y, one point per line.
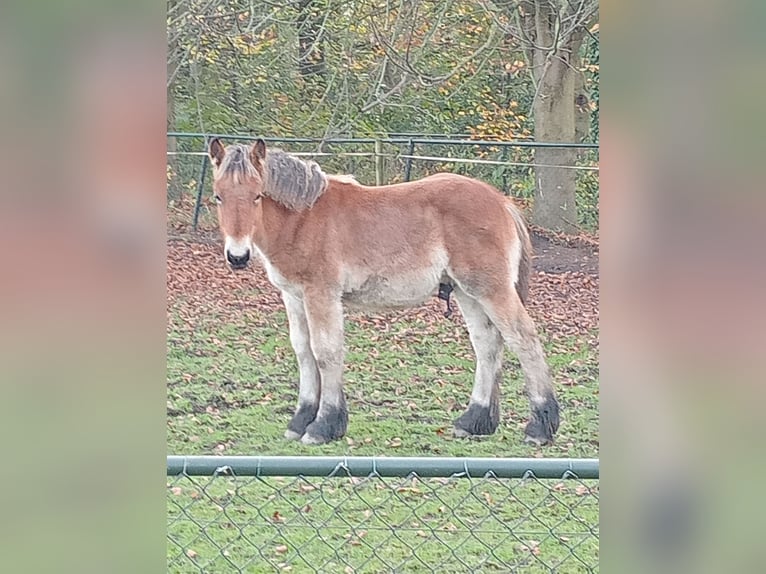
217	198
257	198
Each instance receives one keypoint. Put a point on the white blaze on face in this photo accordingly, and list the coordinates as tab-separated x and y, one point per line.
237	247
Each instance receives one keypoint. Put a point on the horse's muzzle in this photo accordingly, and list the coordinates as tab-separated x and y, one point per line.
238	261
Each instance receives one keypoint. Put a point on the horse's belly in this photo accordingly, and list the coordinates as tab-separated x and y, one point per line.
378	292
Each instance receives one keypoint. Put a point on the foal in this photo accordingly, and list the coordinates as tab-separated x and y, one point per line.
328	242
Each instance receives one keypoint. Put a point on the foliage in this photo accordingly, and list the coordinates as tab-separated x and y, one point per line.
591	70
417	67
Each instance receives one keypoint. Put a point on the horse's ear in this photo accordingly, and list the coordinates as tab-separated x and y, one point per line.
216	151
258	153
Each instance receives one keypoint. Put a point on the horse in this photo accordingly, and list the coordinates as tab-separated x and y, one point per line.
329	243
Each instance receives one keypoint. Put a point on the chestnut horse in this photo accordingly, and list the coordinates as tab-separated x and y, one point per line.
327	242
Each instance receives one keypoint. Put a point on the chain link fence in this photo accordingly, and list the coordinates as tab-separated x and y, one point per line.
359	514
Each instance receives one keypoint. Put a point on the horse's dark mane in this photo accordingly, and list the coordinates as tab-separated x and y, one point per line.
293	182
289	180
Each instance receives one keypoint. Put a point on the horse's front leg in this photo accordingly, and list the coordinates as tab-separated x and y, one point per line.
324	314
308	393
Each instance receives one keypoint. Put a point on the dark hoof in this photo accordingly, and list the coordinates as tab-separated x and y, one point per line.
331	425
477	420
302	418
543	423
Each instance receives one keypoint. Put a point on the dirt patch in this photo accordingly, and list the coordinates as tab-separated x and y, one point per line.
563	301
555	256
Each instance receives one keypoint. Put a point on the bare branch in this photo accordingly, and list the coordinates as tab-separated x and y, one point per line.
405	63
381	99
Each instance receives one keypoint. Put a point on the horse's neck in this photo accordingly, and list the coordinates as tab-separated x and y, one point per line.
273	230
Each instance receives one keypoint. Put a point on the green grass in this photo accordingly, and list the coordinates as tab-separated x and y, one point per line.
232	385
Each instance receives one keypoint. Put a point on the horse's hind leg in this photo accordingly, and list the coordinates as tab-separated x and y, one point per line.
508	314
308	394
483	413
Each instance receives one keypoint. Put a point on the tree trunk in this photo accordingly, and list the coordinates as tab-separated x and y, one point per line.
554	207
559	107
554	67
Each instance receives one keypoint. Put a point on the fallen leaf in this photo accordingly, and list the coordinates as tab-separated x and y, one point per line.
532	546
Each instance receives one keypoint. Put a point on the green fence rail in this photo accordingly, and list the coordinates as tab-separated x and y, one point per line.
382	514
384	466
388	140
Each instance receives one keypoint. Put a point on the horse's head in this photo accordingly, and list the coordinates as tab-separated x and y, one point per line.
238	187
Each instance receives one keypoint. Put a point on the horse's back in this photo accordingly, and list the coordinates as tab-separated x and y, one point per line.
443	208
398	242
437	183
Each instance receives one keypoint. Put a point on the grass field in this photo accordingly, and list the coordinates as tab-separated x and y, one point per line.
232	385
232	388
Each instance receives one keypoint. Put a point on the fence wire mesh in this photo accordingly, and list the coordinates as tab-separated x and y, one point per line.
380	524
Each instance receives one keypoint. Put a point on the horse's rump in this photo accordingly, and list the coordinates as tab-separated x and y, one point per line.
525	258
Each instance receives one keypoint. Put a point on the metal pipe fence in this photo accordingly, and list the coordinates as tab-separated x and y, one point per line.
506	164
386	140
382	514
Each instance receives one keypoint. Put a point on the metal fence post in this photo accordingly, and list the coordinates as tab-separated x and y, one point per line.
378	163
504	158
200	187
408	161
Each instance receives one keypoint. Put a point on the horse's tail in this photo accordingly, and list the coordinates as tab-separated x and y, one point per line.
524	251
